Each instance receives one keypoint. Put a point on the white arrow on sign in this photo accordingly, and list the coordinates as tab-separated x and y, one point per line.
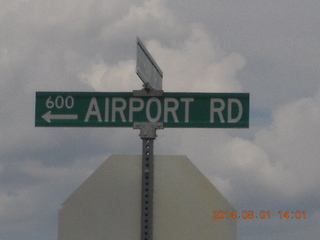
48	117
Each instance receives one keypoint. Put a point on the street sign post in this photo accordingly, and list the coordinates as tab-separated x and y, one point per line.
148	109
147	68
122	109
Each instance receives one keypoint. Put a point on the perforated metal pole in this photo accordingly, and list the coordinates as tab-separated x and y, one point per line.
147	134
147	189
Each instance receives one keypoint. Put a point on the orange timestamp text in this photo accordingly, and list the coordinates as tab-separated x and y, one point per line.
258	214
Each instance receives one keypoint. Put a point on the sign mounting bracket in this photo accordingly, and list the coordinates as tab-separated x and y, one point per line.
148	130
147	91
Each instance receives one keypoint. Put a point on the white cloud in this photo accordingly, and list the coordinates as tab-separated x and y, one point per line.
150	13
33	207
121	74
281	161
292	143
196	64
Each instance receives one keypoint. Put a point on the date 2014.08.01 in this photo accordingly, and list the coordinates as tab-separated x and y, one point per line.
258	214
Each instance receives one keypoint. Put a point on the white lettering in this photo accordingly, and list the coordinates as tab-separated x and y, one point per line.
118	109
217	110
187	108
172	109
133	109
93	110
148	108
106	110
238	117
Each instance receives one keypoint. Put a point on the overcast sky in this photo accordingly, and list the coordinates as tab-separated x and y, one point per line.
269	49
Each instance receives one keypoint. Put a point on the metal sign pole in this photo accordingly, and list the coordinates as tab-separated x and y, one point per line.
147	190
147	134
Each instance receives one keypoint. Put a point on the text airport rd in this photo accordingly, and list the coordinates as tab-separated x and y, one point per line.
123	109
136	105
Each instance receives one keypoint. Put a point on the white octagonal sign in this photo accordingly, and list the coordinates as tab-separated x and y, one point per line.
108	204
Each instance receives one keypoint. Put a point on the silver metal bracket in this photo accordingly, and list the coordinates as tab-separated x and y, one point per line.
147	91
147	129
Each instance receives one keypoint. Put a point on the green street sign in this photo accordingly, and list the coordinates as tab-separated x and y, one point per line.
122	109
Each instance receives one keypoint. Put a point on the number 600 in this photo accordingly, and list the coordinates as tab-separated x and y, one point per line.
60	102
